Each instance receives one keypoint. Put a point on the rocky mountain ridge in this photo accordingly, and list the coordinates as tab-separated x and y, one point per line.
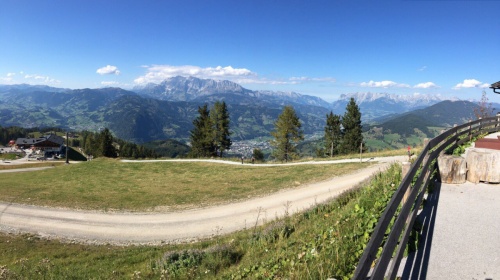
190	88
194	89
166	110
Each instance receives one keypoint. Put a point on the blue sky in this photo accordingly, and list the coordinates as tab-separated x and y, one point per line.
321	48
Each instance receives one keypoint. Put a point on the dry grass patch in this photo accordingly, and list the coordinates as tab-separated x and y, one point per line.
106	184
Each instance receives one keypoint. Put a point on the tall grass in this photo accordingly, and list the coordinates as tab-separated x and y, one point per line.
326	241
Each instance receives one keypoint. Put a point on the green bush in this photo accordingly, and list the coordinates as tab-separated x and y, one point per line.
258	154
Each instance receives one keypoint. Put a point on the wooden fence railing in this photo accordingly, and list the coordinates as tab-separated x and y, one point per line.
404	211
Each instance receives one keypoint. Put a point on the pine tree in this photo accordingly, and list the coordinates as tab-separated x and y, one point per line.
351	122
287	134
90	144
332	134
202	144
106	148
220	124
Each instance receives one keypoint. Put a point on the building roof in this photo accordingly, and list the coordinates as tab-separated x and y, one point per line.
34	141
495	87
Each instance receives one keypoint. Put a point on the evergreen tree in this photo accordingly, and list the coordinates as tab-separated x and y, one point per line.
89	145
332	134
220	121
126	150
287	134
351	122
202	144
106	148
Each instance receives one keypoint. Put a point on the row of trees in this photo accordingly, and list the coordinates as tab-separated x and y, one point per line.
14	132
210	136
343	134
103	144
98	144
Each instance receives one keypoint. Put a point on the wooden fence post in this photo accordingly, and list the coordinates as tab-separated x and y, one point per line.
406	166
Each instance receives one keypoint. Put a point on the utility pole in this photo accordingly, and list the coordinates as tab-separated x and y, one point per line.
360	151
67	147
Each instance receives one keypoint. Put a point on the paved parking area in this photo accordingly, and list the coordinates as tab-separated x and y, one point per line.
461	234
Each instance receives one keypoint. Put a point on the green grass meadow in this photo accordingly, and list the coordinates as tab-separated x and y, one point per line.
323	242
109	184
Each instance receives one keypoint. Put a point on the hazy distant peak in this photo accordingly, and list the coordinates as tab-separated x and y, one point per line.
362	97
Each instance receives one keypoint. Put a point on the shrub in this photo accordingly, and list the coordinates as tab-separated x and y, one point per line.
258	154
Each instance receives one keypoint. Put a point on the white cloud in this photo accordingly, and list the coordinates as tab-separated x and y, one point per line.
7	80
471	83
40	79
109	83
261	81
107	70
383	84
426	85
299	80
421	69
158	73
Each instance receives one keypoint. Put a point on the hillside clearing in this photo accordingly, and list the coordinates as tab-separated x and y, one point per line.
106	184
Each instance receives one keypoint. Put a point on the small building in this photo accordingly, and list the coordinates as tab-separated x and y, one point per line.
50	142
496	87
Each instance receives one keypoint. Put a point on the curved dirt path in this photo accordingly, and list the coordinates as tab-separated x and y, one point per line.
184	226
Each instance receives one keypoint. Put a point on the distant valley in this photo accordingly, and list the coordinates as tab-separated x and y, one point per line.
166	110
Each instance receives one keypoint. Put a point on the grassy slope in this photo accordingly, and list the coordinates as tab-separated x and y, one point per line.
320	243
106	184
32	164
8	156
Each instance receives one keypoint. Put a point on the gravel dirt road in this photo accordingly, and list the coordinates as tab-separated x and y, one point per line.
173	227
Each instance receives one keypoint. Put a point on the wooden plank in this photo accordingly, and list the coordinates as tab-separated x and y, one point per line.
396	260
378	233
393	238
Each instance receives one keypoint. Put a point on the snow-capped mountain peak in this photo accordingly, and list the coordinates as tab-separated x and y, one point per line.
362	97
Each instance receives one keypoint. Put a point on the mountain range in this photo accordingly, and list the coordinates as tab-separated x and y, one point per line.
166	110
375	105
